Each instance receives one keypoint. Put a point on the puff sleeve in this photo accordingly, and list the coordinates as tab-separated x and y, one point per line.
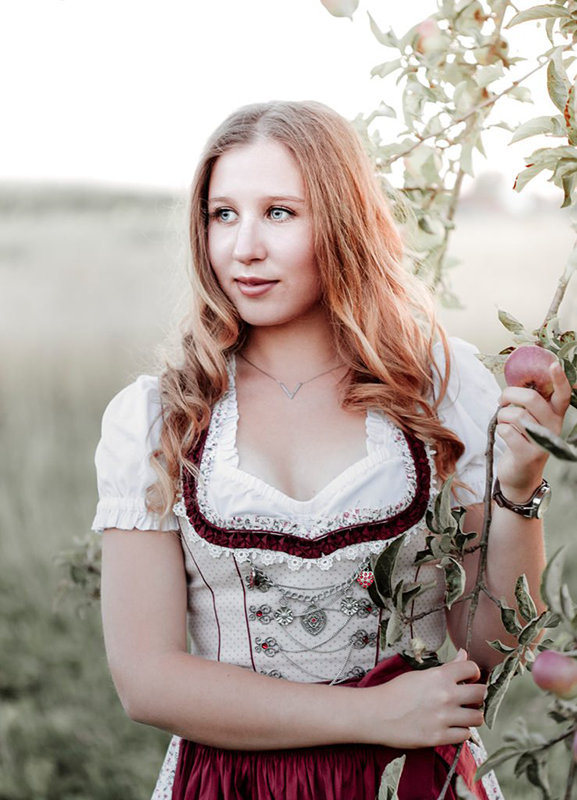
471	399
130	432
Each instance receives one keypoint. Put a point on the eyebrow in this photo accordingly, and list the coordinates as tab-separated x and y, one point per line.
292	198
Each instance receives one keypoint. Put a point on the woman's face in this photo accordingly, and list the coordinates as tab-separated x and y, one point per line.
260	237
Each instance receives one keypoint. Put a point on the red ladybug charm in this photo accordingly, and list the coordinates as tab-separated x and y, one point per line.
365	578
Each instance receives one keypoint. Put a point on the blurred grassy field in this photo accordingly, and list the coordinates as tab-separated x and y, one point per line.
90	283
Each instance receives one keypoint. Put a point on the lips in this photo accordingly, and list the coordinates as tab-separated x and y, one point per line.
254	287
252	281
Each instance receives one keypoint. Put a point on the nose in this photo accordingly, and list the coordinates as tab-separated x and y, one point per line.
249	245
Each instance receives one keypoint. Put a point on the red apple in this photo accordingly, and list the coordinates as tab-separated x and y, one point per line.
428	34
528	366
557	673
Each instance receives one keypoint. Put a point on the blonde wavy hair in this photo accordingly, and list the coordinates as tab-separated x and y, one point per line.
383	317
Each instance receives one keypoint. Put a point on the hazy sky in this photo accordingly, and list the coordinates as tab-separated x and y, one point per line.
126	91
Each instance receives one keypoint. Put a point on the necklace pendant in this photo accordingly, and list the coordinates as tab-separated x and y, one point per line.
288	392
314	620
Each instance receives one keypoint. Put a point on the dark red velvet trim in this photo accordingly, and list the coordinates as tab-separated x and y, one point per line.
312	548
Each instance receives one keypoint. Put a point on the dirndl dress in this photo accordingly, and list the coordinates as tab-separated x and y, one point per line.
282	587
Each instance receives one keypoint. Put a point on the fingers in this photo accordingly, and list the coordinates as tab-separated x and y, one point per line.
561	396
457	735
532	403
467	718
472	694
511	421
462	670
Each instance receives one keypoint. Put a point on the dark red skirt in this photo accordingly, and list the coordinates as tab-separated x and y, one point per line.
330	772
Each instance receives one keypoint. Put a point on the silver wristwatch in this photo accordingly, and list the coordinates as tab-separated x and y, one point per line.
535	506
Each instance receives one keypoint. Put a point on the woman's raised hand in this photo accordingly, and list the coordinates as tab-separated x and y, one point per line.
426	708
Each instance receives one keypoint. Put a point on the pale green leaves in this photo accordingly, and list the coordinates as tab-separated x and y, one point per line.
551	582
497	686
525	602
382	70
552	443
551	126
388	39
455	578
539	12
486	75
557	81
389	788
341	8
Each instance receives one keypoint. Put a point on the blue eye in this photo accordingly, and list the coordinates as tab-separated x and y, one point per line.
284	210
218	212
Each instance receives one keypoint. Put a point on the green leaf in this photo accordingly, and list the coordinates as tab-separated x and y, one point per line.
455	578
567	348
462	790
509	619
527	175
496	758
496	690
496	644
442	508
410	594
494	363
567	606
384	567
486	75
394	631
390	779
525	604
533	767
382	70
375	596
557	80
521	93
510	322
538	12
551	580
387	39
528	633
550	442
554	126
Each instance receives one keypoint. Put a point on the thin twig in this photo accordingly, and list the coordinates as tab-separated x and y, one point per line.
440	607
488	508
562	284
455	194
451	773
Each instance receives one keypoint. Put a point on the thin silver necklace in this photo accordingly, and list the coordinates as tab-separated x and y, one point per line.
285	389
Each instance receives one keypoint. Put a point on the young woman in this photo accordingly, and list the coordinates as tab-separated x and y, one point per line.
316	408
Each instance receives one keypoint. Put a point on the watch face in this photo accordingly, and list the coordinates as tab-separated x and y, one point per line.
544	504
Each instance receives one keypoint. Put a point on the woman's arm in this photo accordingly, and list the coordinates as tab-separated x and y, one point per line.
516	546
161	684
516	543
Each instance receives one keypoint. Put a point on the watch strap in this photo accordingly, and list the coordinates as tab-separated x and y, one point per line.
528	509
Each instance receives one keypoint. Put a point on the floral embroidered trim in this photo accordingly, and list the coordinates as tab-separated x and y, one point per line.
489	781
311	529
266	557
165	780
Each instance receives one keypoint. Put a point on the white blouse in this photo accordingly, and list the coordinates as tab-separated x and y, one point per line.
131	429
262	606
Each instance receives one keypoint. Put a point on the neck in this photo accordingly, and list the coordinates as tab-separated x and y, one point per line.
295	349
